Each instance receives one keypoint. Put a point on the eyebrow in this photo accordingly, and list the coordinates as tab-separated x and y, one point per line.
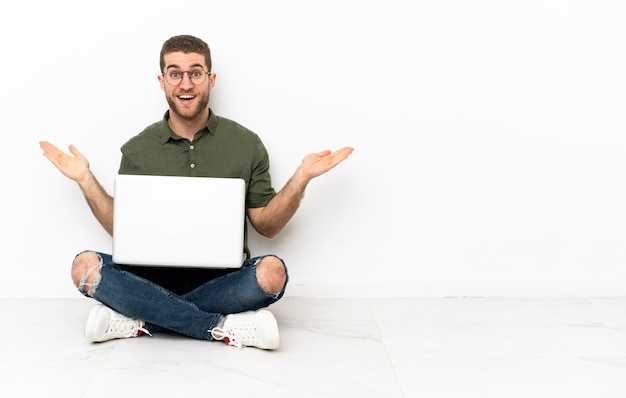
178	67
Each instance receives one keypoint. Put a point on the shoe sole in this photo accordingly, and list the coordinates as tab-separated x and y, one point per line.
91	323
274	326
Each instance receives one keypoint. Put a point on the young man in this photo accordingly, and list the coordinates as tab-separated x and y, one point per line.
190	140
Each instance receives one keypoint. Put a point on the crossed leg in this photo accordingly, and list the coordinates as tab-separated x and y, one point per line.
270	273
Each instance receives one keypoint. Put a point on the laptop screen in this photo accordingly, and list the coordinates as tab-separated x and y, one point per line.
173	221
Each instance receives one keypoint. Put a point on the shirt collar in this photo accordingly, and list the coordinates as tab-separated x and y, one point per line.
167	133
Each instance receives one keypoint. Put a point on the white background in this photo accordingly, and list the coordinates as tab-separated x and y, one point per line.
489	135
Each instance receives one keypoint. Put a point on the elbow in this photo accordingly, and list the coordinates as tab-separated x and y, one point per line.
269	232
263	224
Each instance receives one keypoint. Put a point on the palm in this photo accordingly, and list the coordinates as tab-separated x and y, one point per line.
316	164
74	167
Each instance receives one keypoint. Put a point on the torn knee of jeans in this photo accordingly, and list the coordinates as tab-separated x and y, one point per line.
89	288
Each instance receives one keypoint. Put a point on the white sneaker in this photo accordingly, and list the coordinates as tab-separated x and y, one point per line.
105	324
250	328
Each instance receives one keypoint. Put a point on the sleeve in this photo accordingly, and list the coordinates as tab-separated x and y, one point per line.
260	189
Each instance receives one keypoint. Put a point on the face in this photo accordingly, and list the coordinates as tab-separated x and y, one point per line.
187	100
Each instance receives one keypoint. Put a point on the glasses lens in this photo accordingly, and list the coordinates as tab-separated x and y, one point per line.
175	77
197	76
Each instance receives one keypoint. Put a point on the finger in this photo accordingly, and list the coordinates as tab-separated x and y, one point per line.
54	155
341	154
74	150
324	153
345	151
49	150
46	146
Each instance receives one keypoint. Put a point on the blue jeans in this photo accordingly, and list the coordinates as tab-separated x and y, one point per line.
192	313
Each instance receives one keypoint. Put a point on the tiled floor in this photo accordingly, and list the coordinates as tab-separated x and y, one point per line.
448	347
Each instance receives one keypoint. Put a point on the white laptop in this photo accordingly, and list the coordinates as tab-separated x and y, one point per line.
179	221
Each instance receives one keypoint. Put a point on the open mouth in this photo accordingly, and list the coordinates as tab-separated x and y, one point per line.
186	99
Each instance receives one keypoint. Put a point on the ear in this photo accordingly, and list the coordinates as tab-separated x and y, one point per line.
161	82
212	77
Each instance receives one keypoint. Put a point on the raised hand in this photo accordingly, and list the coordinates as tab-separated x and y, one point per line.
75	167
316	164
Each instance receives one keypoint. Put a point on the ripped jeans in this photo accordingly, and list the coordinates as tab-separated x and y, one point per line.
191	314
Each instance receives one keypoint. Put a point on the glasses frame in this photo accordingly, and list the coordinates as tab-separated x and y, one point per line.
188	73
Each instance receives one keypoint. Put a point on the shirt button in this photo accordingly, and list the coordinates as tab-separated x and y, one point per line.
190	146
192	165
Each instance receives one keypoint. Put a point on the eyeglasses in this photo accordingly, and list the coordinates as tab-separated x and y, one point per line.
175	77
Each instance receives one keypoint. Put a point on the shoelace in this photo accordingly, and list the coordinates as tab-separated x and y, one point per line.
236	336
125	326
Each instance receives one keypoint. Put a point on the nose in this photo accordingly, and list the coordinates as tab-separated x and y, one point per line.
186	82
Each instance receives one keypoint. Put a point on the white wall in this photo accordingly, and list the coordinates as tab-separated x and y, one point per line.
489	135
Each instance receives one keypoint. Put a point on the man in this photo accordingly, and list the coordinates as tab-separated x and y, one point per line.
191	140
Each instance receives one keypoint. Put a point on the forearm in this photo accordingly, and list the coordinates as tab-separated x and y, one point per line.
99	201
271	219
283	206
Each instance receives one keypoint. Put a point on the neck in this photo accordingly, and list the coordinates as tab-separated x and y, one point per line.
187	128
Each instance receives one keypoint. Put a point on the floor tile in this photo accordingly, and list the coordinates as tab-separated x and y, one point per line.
349	347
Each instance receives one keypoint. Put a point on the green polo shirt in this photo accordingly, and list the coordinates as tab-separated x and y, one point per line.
222	148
